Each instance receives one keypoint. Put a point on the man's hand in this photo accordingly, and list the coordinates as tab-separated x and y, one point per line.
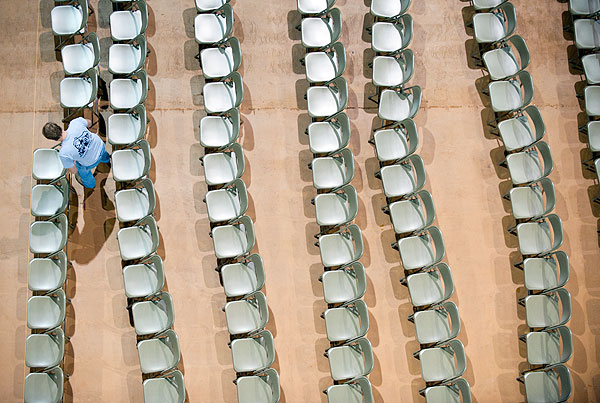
88	122
73	169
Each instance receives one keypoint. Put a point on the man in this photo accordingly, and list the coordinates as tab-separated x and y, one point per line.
81	150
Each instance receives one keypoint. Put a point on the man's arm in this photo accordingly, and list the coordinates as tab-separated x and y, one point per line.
88	122
73	169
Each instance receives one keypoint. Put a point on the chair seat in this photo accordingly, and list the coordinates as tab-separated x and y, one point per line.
66	20
524	167
46	201
75	92
394	105
344	393
398	180
415	252
324	137
527	202
336	250
229	241
155	356
77	58
45	275
331	209
252	389
543	348
40	387
407	216
217	62
312	6
386	37
127	165
219	168
445	394
222	205
132	204
591	68
541	387
425	288
594	135
209	28
43	351
140	280
500	63
248	355
328	173
505	95
587	34
541	311
323	101
242	317
209	5
125	93
321	67
437	365
386	8
216	131
534	238
540	274
316	32
45	237
390	145
516	133
339	286
485	4
161	390
47	164
219	96
43	312
387	71
125	25
341	324
238	279
123	58
123	128
134	243
345	363
431	326
488	28
592	100
149	317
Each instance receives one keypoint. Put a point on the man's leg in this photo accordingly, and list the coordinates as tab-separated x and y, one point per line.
104	157
86	176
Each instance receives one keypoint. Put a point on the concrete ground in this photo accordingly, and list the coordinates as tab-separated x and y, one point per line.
463	176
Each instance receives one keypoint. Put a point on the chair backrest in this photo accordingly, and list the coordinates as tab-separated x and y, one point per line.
171	340
557	230
142	77
450	309
147	185
265	338
348	161
339	53
367	352
464	388
406	58
62	223
227	11
565	302
408	129
544	150
85	11
510	18
236	52
357	271
258	266
549	194
334	16
233	115
356	235
63	186
339	85
271	378
92	76
523	51
458	349
144	147
263	308
405	25
538	122
139	112
166	301
143	7
359	307
428	207
446	274
565	382
566	339
438	243
365	388
155	262
415	99
348	193
341	123
150	223
526	83
249	230
238	152
238	188
60	298
92	39
416	162
236	79
141	43
562	260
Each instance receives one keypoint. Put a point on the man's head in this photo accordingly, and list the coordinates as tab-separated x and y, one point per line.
52	131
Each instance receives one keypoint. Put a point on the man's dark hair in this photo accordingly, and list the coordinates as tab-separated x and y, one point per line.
52	131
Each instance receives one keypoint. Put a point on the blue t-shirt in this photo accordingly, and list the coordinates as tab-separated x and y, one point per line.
81	145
